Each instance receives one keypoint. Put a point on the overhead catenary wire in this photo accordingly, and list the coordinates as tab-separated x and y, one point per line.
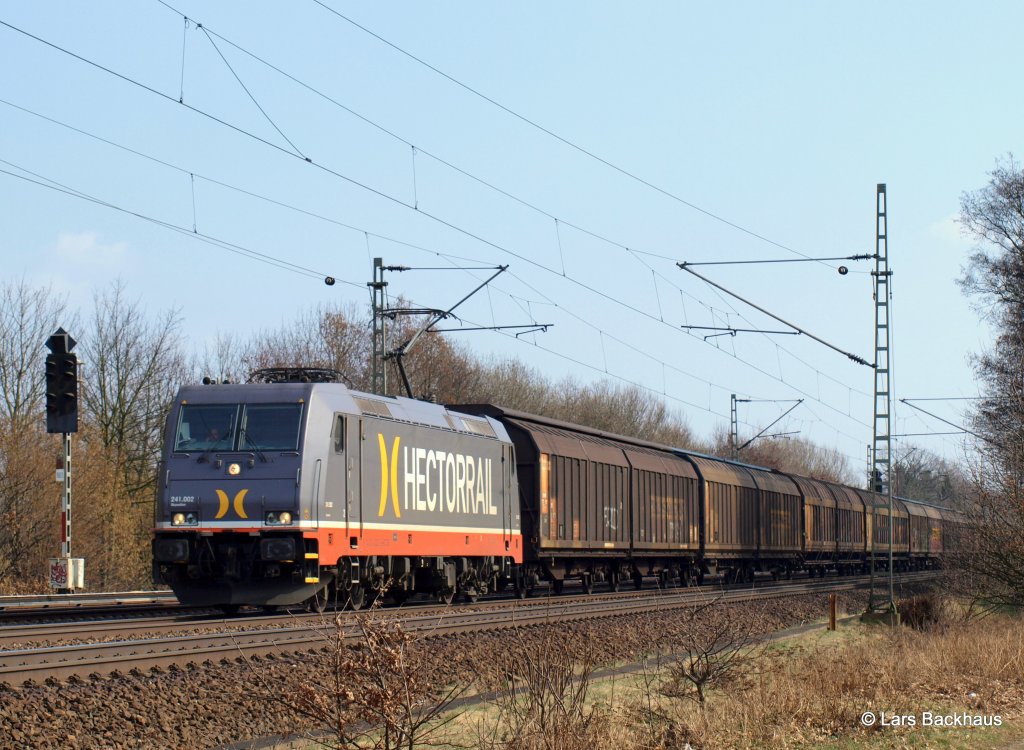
536	264
440	220
47	183
367	234
853	357
558	220
954	424
621	170
51	184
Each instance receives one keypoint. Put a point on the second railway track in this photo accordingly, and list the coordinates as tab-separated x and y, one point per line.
257	636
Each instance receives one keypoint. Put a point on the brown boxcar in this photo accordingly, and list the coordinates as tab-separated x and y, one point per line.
780	525
851	524
729	502
665	501
877	512
920	529
583	486
934	531
819	521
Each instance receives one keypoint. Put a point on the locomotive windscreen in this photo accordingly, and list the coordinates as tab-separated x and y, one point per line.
270	427
235	427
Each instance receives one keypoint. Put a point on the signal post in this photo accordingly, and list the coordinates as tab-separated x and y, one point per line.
66	573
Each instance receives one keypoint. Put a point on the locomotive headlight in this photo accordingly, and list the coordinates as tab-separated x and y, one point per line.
184	519
234	469
285	518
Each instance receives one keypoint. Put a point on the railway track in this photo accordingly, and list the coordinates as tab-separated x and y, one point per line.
71	607
262	635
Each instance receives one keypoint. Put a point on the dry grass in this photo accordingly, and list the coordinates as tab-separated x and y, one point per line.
809	692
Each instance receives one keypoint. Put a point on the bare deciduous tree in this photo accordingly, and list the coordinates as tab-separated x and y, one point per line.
794	455
542	695
132	367
375	691
716	642
991	545
28	316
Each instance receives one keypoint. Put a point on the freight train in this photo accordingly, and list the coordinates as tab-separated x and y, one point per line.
283	493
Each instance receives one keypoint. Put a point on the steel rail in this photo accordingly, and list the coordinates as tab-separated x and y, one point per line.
55	601
62	662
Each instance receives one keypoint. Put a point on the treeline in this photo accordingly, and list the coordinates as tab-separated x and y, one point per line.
131	365
132	362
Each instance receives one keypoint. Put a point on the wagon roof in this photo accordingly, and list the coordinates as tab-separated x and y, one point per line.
714	470
815	490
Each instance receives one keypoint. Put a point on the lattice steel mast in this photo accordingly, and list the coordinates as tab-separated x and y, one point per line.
882	441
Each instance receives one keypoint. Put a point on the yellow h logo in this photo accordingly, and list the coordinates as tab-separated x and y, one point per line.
239	507
384	474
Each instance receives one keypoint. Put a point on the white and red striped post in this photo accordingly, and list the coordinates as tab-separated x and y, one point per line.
65	533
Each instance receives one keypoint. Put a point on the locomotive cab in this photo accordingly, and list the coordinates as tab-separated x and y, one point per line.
231	505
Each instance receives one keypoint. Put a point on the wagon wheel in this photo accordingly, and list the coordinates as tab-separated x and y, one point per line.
613	581
558	586
445	596
230	609
588	583
638	580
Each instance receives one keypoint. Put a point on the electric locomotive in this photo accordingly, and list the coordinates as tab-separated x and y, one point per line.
276	494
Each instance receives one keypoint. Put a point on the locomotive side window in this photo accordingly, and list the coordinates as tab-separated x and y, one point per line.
270	427
206	427
339	433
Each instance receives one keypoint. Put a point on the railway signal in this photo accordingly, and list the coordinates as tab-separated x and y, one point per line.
61	384
66	573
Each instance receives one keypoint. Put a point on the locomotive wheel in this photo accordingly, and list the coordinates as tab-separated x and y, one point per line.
317	603
356	596
230	609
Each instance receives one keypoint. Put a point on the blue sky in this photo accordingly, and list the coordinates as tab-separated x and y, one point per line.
780	118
